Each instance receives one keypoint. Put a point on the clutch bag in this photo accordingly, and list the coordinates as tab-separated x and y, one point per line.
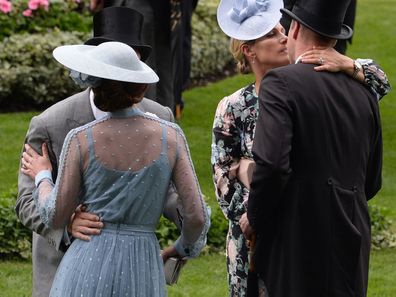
172	268
245	171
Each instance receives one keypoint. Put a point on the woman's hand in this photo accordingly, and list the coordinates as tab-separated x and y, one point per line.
170	251
247	230
33	163
329	60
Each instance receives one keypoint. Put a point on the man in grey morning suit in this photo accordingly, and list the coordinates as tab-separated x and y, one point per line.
51	127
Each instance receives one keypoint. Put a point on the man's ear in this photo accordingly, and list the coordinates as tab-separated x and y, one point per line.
296	29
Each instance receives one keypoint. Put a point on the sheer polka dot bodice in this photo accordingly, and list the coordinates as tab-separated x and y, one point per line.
121	167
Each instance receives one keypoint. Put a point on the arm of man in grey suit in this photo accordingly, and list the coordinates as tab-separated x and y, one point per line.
172	209
25	207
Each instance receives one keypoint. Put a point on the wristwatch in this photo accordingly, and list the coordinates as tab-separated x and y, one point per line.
356	68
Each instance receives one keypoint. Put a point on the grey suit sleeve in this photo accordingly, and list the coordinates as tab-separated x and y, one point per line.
171	117
173	210
25	207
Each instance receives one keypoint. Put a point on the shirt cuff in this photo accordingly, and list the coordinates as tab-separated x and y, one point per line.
66	238
43	174
181	250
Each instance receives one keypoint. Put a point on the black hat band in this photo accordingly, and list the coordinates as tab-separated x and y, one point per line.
327	26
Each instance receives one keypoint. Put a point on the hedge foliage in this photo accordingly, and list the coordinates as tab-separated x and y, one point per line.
65	15
210	46
381	234
15	239
31	78
167	232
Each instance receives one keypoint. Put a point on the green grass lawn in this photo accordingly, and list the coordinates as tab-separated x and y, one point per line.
374	37
205	276
13	129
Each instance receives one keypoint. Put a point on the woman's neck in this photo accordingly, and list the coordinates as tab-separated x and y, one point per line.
259	75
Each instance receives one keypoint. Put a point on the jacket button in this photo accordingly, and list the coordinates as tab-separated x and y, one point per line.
329	181
354	189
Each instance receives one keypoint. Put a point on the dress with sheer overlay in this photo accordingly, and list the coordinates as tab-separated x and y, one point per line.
120	167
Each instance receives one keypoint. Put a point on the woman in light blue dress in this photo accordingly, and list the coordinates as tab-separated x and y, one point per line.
120	166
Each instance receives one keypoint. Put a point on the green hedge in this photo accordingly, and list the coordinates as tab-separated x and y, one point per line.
31	78
65	15
210	46
381	233
15	239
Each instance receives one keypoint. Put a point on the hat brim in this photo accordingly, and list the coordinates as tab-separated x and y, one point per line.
346	31
144	50
78	58
253	27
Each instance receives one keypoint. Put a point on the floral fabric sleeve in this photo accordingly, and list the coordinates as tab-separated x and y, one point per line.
226	153
375	78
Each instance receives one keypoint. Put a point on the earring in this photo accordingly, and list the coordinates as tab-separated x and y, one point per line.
253	61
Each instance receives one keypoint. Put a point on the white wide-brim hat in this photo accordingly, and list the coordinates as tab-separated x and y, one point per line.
110	60
248	19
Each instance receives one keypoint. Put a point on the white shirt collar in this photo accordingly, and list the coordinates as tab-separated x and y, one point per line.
98	114
299	58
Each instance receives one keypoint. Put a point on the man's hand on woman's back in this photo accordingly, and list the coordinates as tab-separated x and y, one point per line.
84	224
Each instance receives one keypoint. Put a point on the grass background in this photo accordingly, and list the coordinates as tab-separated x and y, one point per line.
375	37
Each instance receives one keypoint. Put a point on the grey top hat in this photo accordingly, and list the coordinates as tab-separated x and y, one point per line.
325	17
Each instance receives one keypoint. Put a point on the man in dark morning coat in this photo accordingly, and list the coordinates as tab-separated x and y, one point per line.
52	126
318	154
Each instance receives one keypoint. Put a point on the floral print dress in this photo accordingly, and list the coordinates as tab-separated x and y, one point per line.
233	132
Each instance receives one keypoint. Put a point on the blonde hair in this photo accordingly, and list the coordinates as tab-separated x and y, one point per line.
236	51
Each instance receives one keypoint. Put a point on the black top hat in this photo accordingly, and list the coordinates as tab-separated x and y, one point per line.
119	24
324	17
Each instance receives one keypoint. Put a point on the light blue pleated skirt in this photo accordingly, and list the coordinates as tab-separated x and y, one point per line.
121	261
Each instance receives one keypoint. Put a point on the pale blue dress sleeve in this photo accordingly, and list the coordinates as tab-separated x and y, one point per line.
195	224
57	202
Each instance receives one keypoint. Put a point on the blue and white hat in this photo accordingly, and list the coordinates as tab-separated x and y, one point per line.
248	19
